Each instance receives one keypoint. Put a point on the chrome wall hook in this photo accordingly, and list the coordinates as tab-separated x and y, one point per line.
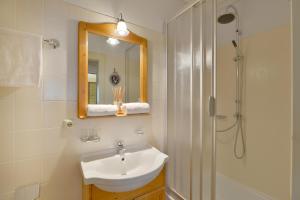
53	43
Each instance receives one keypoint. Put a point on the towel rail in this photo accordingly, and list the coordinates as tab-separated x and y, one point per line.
53	43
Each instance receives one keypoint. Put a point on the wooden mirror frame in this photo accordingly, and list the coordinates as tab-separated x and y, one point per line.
108	30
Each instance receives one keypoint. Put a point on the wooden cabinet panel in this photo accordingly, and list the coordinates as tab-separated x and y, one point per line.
155	195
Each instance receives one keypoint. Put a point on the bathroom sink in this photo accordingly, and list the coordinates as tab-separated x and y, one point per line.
114	174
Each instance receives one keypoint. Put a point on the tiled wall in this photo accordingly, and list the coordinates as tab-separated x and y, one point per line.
34	146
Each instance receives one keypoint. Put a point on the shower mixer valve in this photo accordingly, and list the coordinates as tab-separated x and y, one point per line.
238	58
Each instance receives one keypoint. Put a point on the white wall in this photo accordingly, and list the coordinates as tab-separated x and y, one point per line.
255	16
266	108
125	59
34	147
296	98
265	27
107	63
151	14
132	57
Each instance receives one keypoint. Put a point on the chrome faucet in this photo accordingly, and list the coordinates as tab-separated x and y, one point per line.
121	149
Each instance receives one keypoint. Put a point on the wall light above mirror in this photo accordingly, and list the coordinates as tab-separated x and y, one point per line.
122	27
112	72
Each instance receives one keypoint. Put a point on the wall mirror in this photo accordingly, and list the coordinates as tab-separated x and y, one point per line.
110	66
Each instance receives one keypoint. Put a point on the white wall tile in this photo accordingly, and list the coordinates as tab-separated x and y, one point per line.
54	141
71	109
27	172
54	113
7	13
28	109
55	15
72	88
55	61
7	98
57	187
7	196
50	167
6	147
55	88
29	16
28	144
6	178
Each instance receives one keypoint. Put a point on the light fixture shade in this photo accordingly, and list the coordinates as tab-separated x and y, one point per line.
113	41
122	28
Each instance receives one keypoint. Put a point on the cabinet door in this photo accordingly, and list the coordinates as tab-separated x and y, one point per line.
158	194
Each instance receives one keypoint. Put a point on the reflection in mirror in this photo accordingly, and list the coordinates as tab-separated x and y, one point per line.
93	78
112	63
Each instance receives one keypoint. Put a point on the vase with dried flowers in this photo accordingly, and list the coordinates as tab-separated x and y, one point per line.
118	93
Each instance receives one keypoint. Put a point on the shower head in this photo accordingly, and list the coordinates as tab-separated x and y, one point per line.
230	15
226	18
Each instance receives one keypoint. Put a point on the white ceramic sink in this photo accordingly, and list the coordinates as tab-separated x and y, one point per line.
113	175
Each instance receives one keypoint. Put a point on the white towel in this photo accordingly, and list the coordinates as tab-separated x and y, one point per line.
94	110
20	58
136	108
101	110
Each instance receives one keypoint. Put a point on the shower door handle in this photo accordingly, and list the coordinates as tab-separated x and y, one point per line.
212	106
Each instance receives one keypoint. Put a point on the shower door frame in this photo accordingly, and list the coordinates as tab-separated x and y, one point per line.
212	99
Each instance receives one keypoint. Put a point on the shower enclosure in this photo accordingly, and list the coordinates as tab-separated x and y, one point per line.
191	61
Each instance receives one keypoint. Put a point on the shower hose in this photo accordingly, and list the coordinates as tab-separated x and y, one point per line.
239	129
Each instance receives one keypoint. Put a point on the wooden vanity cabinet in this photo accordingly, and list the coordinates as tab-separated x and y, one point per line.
155	190
158	194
